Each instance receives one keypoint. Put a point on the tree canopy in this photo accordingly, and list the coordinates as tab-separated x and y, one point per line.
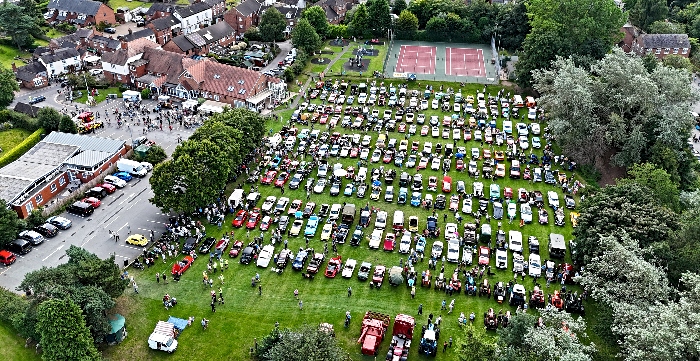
10	224
643	13
272	25
406	22
399	6
18	25
318	20
8	86
360	22
306	343
379	12
64	335
304	37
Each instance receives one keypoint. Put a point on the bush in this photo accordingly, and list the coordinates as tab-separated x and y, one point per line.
21	148
12	306
19	120
155	155
36	218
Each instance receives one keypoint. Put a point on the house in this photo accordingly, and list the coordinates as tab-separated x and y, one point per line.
27	109
218	7
32	75
75	40
159	10
164	28
116	66
145	33
193	17
57	161
336	9
61	61
199	42
630	33
244	16
80	12
99	44
662	45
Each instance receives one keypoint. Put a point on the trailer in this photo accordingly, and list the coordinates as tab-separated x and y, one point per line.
402	337
374	326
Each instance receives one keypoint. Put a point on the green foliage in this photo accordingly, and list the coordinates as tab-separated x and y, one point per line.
317	18
643	13
475	346
406	22
19	120
657	181
306	343
16	152
305	37
8	86
67	125
101	26
64	335
66	28
399	6
272	25
80	80
337	31
12	306
666	27
146	93
155	155
10	224
650	62
18	25
266	343
221	134
49	118
677	62
250	126
683	246
513	25
379	12
36	218
359	25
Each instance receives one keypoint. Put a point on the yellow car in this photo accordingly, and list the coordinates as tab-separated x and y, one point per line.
137	240
327	232
574	218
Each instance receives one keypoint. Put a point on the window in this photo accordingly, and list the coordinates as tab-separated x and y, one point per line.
53	187
658	51
216	97
668	51
61	181
675	50
29	207
39	198
685	51
119	77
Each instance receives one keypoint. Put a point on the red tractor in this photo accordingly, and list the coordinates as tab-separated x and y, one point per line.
374	327
402	336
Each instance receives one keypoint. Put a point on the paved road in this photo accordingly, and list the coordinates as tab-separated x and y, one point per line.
285	47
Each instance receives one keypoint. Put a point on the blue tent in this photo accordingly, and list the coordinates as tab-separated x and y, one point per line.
179	323
117	332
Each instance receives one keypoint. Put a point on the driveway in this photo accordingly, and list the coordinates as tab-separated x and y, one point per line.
285	47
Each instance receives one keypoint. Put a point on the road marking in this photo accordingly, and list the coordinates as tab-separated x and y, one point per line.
110	222
57	249
125	224
6	269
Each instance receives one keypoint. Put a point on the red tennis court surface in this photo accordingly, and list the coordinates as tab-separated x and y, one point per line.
416	59
464	62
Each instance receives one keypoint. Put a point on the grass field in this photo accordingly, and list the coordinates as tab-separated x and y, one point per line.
376	62
114	4
13	346
247	315
101	96
11	137
8	54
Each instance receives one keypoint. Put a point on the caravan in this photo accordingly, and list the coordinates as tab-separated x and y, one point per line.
236	198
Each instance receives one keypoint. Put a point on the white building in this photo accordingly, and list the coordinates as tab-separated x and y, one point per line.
193	17
61	61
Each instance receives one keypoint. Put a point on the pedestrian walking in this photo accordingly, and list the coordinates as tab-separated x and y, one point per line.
452	306
157	277
349	291
260	290
450	342
248	234
444	347
444	305
420	309
213	306
164	278
438	320
128	228
136	288
116	238
296	293
301	305
153	235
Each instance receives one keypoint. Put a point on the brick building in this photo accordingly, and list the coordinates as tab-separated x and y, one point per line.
244	16
79	12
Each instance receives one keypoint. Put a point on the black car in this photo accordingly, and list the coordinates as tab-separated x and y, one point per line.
110	30
60	222
248	255
207	245
342	233
20	246
357	236
81	209
47	230
189	245
440	201
97	192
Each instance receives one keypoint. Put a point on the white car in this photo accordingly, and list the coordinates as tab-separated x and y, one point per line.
119	183
326	232
512	210
524	144
436	251
335	212
467	255
453	250
507	126
515	241
435	164
456	134
535	267
424	104
265	256
349	268
375	240
457	108
364	153
501	258
411	161
553	199
380	221
320	186
532	113
451	231
362	98
526	213
405	244
467	205
535	128
522	129
366	140
269	203
435	131
435	104
376	155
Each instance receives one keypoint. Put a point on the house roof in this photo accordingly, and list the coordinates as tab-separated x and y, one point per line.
61	54
183	43
225	79
29	71
27	109
133	48
143	33
166	63
248	7
202	37
193	9
109	42
87	7
85	142
161	7
165	22
654	41
213	3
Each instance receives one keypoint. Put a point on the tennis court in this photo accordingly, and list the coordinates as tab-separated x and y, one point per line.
416	59
464	62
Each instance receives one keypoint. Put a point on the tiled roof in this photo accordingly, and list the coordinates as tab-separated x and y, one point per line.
228	80
143	33
653	41
87	7
248	7
109	42
182	42
133	48
165	22
161	7
59	55
163	62
29	71
193	9
206	36
28	109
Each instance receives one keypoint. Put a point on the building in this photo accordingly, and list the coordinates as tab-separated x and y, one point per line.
80	12
244	16
32	75
164	28
59	160
61	61
199	42
27	109
336	9
662	45
75	40
116	66
99	44
194	17
145	33
218	7
159	10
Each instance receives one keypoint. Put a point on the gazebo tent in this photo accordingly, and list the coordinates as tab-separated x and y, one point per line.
118	332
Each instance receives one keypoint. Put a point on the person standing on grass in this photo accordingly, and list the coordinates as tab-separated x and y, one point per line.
259	290
213	306
157	277
301	305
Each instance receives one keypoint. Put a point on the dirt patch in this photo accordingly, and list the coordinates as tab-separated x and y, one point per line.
608	171
327	52
320	61
339	42
354	67
366	52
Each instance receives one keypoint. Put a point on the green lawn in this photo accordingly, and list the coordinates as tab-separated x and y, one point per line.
99	98
8	54
13	346
318	68
247	315
53	33
376	62
11	137
114	4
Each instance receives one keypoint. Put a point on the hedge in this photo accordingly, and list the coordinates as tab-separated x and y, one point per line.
21	148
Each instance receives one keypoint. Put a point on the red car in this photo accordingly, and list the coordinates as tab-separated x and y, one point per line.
334	265
282	179
354	152
235	249
221	245
324	119
254	219
294	207
180	267
110	188
269	177
92	201
447	184
265	225
388	156
241	217
402	128
389	242
484	255
460	164
467	134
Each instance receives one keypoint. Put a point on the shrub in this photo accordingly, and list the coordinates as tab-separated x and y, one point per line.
19	120
21	148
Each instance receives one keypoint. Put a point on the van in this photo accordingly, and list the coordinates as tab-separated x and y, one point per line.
515	169
361	175
515	241
236	198
20	246
132	167
557	247
398	221
349	213
252	199
162	337
274	140
518	101
81	209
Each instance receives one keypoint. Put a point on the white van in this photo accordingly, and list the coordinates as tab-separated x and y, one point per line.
398	221
361	175
162	337
274	140
518	101
375	239
515	241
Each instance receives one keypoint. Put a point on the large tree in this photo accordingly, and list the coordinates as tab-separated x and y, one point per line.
49	118
306	343
8	86
224	136
407	22
399	6
360	22
16	24
317	18
272	25
304	37
380	13
643	13
617	110
64	335
580	28
10	224
657	181
512	26
250	127
474	346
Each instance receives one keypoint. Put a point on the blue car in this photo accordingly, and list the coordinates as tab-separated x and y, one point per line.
415	199
349	189
420	245
298	263
311	226
403	194
125	176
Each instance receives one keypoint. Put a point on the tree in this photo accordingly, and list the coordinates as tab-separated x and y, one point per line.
474	346
407	22
10	224
379	12
36	218
513	25
437	27
155	155
666	27
49	118
360	22
272	25
337	31
8	87
643	13
306	343
657	181
399	7
146	93
677	62
250	125
683	246
64	335
67	125
304	37
580	28
19	26
317	18
222	135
